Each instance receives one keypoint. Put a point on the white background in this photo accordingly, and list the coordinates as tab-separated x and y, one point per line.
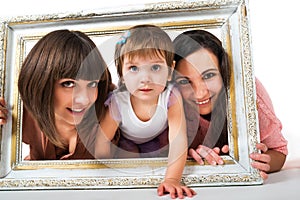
275	44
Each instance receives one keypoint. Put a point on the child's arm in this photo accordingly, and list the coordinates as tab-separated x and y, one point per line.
108	128
177	150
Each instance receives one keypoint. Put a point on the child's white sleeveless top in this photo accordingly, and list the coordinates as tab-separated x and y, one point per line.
132	127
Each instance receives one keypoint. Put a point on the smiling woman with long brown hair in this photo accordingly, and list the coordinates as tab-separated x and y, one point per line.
63	84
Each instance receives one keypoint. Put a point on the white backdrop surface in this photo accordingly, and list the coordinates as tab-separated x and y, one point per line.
275	45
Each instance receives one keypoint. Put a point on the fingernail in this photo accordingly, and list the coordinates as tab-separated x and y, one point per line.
252	156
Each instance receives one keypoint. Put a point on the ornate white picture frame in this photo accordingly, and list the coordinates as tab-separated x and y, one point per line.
228	19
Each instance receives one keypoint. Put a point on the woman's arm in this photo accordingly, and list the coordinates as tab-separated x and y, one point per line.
273	145
268	160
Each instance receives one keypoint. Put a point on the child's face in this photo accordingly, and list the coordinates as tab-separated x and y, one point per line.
73	98
146	77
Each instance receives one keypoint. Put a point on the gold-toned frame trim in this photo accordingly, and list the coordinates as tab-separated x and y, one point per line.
247	177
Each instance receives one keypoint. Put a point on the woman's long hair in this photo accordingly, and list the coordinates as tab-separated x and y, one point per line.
189	42
61	54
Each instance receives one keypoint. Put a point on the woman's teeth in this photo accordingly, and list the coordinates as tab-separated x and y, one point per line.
202	102
77	110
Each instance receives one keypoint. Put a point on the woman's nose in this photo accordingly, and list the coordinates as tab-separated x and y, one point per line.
200	89
81	96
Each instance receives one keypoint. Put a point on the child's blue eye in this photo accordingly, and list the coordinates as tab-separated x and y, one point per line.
155	67
133	68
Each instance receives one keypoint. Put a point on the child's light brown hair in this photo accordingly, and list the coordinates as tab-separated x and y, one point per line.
144	41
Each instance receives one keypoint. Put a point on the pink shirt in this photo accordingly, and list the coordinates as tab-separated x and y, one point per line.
269	125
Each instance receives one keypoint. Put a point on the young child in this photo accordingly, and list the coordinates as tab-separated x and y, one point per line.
145	103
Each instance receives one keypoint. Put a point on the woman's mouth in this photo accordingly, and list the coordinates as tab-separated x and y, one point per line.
203	102
76	111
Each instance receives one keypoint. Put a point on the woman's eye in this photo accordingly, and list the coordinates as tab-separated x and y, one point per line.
133	68
155	67
208	76
68	84
93	84
183	81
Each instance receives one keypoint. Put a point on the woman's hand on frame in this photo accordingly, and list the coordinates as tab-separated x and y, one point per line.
3	111
212	156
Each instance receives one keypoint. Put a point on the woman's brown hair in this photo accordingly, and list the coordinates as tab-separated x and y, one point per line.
189	42
61	54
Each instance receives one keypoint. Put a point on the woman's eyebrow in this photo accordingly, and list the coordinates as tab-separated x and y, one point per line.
210	69
180	76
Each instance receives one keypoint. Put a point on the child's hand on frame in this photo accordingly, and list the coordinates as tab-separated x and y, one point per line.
175	190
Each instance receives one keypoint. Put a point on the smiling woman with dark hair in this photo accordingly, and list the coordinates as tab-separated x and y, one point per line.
203	76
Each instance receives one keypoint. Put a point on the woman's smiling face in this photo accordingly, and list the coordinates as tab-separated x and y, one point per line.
73	98
199	79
